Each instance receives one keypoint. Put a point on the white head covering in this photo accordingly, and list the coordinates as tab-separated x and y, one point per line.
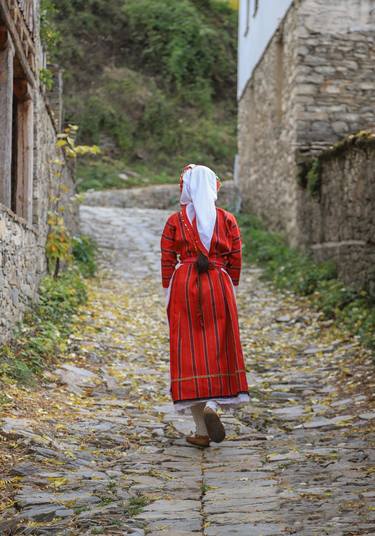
199	193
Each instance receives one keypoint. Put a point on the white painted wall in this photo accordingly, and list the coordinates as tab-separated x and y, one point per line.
261	29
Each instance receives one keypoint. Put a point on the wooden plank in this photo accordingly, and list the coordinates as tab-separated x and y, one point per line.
27	9
24	188
21	89
7	18
3	37
6	106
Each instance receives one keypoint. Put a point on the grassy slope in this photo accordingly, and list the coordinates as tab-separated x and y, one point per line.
151	81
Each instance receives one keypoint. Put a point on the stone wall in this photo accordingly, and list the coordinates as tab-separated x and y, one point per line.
21	265
49	176
335	83
314	84
49	162
339	220
267	133
22	245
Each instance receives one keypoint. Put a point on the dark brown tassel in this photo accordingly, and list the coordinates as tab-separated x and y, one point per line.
203	263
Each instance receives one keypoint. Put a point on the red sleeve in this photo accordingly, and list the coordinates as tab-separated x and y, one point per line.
235	256
168	252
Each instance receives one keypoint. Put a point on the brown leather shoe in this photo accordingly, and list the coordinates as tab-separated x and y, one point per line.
215	428
198	440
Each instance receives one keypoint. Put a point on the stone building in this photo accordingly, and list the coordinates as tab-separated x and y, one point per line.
306	81
32	169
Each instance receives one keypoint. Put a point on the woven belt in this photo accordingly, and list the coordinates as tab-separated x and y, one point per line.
214	264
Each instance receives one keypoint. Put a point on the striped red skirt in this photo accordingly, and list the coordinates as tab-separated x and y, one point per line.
205	348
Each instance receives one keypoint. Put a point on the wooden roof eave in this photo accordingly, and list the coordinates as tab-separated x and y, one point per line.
24	61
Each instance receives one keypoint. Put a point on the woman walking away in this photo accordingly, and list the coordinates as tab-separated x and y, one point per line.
201	264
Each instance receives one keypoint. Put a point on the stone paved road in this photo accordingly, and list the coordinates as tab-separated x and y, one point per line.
108	457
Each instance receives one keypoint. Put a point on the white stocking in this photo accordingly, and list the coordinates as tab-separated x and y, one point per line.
197	413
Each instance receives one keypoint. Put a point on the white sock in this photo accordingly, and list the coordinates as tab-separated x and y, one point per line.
197	413
213	405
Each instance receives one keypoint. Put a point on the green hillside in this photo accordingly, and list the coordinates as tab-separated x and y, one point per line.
153	82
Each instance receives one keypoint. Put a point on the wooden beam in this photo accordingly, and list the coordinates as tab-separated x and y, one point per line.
24	188
6	110
17	40
3	37
21	89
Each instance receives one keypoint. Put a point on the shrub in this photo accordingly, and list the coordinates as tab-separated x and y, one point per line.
179	44
84	253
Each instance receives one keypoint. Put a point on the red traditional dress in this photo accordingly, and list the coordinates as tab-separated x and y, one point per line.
206	360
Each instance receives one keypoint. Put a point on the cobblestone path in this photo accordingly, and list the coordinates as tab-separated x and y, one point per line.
108	454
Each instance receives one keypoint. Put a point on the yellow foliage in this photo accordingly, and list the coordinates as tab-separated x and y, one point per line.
234	4
57	483
67	141
6	504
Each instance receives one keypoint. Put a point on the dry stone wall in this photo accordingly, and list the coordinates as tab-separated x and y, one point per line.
21	265
267	134
22	245
314	85
335	82
339	221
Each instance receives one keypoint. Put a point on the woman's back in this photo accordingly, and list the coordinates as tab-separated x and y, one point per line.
180	238
201	264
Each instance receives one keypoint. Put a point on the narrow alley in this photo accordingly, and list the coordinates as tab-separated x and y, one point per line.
105	453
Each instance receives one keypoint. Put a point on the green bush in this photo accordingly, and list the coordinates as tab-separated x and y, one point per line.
42	334
84	253
49	33
359	318
333	296
97	175
287	267
179	43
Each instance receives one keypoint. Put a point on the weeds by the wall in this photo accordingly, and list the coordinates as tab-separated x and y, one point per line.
84	251
42	336
291	270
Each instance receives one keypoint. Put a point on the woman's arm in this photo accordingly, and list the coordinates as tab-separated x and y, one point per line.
235	256
168	252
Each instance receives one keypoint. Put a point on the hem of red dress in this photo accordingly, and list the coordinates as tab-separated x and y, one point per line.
211	397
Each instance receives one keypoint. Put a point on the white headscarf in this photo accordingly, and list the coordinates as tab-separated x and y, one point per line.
199	193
